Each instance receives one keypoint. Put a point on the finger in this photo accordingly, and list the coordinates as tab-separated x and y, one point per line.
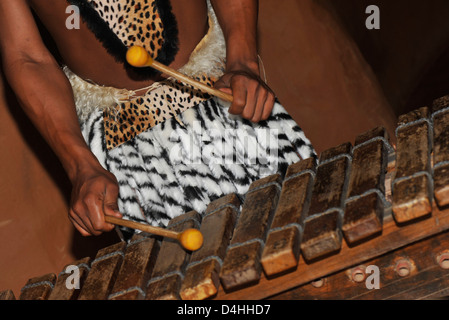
110	204
226	90
81	229
268	107
239	94
250	108
261	101
94	204
80	213
222	83
251	101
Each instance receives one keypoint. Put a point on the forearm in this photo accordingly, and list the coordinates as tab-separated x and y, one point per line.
238	20
45	94
46	97
253	99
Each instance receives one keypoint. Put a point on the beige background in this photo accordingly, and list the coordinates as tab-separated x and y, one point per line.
334	76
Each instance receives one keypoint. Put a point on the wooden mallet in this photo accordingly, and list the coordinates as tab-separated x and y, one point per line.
190	239
137	56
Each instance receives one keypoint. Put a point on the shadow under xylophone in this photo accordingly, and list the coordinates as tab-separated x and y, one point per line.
360	205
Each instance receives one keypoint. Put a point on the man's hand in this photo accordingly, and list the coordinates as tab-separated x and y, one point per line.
94	195
253	99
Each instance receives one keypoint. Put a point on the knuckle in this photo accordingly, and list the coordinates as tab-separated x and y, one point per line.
113	187
76	209
237	106
112	176
98	226
90	200
263	94
237	79
239	102
109	227
248	113
84	233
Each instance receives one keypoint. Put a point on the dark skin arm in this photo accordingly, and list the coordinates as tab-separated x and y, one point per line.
46	97
253	99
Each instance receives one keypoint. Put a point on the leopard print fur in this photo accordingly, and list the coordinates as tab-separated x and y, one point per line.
134	22
119	24
165	100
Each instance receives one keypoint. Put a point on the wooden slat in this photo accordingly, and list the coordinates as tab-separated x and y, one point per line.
202	280
202	275
322	229
171	262
103	273
138	262
364	207
63	289
412	187
393	237
322	236
441	150
166	288
281	250
241	266
363	218
38	288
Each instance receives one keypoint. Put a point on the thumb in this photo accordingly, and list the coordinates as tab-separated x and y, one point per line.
110	204
225	103
223	84
225	90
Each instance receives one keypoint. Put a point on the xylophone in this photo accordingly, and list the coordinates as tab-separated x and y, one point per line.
311	234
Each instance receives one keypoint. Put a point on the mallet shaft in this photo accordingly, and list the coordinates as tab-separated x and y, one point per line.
143	227
196	84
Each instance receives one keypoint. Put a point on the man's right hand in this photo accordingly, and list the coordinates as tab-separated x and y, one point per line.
94	195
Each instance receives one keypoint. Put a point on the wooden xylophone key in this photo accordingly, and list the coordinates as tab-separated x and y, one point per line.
70	280
103	273
413	183
281	251
38	288
440	116
241	266
138	262
202	275
168	272
322	227
365	203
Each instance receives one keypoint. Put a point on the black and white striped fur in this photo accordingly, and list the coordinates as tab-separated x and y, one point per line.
183	165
